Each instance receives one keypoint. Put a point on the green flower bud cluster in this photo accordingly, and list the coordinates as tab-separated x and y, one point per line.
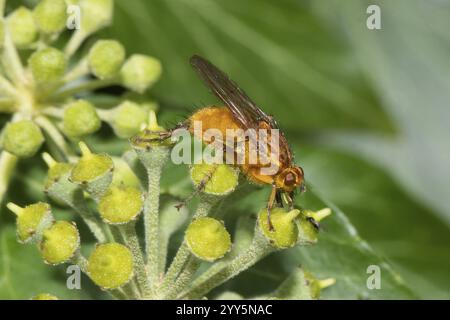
110	265
128	118
50	16
22	27
22	138
140	72
44	296
110	195
120	204
80	119
208	239
47	65
301	285
105	58
291	227
42	77
57	240
95	14
215	179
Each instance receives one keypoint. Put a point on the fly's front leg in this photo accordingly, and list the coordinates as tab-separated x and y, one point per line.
270	206
161	135
279	199
290	200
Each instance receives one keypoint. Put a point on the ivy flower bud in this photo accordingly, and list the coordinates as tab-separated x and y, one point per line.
55	170
59	242
47	65
140	72
32	220
208	239
128	119
105	58
22	138
50	15
217	179
308	225
124	175
95	14
44	296
80	119
316	285
120	204
146	139
22	27
93	171
110	265
285	233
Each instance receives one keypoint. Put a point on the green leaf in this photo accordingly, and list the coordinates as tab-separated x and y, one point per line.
405	231
406	63
23	274
261	56
340	253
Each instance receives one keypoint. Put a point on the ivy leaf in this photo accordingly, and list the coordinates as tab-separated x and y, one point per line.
23	274
340	253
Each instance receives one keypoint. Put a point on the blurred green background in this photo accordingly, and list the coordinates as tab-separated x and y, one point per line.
366	111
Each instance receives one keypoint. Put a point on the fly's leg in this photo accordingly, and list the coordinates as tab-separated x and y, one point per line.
201	186
290	200
270	206
161	135
279	199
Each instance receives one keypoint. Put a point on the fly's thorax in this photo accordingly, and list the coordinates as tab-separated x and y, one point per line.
211	118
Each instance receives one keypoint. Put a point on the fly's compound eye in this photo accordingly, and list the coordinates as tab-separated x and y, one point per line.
289	179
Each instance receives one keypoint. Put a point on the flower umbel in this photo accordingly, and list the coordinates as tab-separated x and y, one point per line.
119	263
49	90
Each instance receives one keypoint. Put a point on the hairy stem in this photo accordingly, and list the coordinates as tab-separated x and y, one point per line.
7	164
6	87
183	255
185	276
90	85
56	136
128	232
156	160
74	43
73	196
11	60
81	69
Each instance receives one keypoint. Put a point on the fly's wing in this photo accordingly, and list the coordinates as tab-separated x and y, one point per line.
246	112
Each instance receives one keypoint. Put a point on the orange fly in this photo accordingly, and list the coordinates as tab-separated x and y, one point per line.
240	112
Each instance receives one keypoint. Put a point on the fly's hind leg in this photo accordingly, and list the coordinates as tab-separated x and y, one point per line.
200	187
270	203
